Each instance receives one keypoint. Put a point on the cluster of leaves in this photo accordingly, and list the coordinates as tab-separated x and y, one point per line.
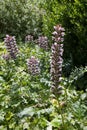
26	101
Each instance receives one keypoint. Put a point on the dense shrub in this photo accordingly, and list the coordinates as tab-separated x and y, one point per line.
19	18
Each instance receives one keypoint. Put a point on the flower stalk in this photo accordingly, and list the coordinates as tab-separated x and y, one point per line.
56	65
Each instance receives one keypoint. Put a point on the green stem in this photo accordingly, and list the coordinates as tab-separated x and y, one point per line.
63	124
66	96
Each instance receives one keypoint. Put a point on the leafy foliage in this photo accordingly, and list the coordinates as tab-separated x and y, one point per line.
78	78
26	101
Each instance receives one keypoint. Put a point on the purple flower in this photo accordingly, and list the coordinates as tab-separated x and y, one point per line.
43	42
33	66
11	46
56	59
29	38
6	57
58	34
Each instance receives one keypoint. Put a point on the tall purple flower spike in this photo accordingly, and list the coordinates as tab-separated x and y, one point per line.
56	59
11	46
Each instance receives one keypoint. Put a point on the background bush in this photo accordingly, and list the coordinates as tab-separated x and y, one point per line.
19	18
